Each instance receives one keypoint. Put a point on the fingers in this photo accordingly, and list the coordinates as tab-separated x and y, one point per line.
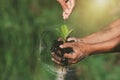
68	10
71	59
72	2
72	39
70	56
65	14
63	4
60	39
56	61
74	58
67	7
57	58
66	45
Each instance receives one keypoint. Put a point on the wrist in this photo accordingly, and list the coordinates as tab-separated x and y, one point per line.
106	46
95	48
92	49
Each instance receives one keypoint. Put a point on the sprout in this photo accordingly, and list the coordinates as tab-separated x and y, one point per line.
64	32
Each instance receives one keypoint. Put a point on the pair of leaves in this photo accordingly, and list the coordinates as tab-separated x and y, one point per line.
63	32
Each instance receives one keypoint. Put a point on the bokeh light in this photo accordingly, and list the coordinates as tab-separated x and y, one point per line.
92	14
101	2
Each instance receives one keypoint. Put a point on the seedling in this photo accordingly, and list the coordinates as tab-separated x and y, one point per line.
64	32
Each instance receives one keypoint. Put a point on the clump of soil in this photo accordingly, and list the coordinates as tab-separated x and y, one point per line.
61	51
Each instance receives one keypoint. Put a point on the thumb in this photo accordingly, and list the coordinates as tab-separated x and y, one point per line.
69	56
73	39
66	45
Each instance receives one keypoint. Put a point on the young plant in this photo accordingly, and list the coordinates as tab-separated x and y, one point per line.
63	32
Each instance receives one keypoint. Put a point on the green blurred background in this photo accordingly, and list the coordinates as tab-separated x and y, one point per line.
23	21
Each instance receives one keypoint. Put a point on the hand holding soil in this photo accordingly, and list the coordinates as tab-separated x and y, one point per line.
79	51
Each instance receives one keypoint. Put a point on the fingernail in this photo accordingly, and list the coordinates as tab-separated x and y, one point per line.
68	39
61	46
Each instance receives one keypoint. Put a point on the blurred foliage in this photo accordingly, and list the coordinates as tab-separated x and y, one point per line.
21	25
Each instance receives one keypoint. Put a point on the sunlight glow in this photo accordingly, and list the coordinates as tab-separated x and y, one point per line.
101	2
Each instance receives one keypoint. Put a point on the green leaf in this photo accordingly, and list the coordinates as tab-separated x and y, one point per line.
70	31
63	31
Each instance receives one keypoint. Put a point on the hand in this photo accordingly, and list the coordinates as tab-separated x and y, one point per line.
80	51
73	39
67	7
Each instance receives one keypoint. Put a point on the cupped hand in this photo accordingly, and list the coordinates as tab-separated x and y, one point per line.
80	51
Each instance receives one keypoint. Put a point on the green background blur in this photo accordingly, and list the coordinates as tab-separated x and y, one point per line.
23	21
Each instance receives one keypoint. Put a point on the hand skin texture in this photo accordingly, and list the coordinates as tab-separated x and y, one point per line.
67	7
104	41
81	50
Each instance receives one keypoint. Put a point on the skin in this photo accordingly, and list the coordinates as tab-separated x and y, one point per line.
108	33
82	49
104	41
67	7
